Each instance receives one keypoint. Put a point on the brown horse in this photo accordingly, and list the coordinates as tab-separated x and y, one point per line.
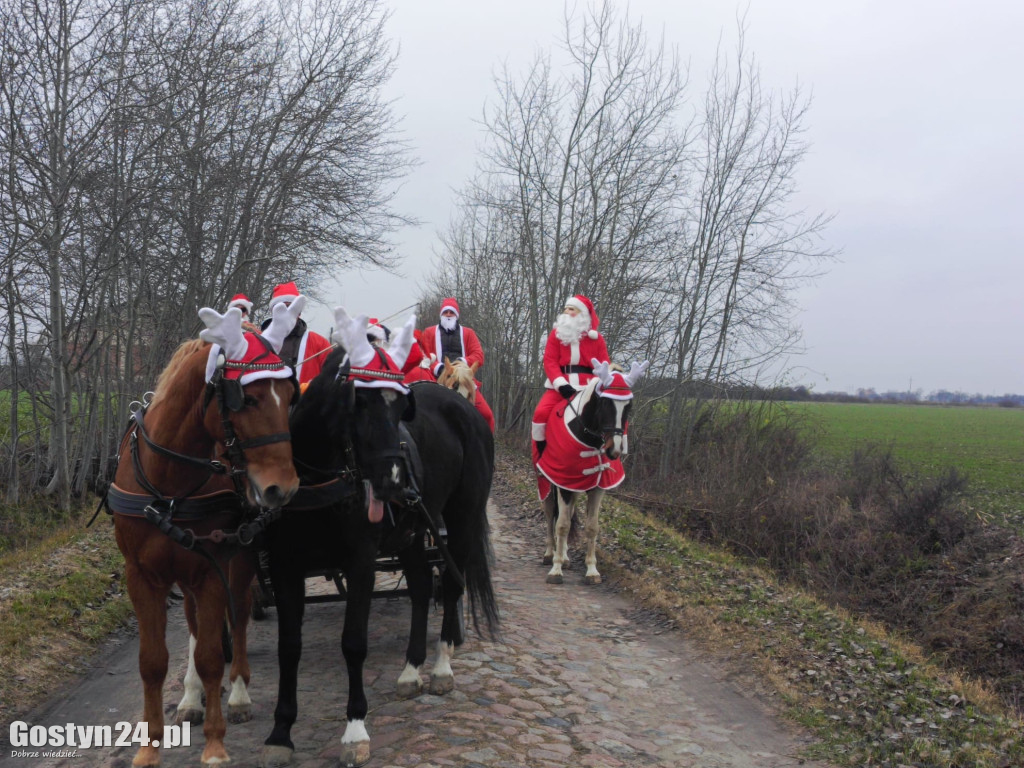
211	445
460	377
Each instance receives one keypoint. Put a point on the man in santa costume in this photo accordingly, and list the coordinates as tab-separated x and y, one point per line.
241	301
451	339
572	344
303	349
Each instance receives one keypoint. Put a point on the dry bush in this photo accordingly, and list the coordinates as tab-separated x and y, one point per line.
862	533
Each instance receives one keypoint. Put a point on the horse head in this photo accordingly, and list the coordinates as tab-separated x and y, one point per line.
460	377
352	410
607	414
247	429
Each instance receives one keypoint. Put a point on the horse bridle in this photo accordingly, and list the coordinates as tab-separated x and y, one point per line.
230	397
605	433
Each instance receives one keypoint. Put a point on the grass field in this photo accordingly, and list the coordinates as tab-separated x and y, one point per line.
985	444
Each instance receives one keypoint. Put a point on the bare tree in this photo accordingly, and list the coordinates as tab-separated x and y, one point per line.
576	191
159	156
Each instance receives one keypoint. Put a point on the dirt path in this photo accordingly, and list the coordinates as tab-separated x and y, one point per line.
577	680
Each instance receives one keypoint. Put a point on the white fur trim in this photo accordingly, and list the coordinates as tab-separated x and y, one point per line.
574	302
279	299
592	334
241	304
559	382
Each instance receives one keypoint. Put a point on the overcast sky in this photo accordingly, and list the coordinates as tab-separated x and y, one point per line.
916	127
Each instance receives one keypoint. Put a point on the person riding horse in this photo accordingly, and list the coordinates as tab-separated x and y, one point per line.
455	341
573	340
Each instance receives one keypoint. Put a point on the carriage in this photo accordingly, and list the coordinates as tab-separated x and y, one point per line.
390	583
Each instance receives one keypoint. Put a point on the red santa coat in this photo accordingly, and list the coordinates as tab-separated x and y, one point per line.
558	356
472	351
569	463
311	343
415	368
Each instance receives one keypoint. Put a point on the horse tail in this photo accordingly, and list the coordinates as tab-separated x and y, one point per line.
478	549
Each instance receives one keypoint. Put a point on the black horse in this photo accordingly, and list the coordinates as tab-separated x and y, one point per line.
456	449
347	443
341	435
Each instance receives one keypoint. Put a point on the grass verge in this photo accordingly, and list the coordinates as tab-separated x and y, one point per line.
59	598
871	698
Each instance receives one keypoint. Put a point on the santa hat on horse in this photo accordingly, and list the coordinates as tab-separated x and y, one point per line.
586	307
283	292
241	301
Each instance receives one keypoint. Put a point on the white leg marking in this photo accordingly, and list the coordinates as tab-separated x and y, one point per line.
410	675
239	694
443	665
355	731
192	699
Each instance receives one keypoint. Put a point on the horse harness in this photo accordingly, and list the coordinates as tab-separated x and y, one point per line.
163	511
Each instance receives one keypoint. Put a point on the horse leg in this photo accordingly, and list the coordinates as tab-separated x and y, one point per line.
243	570
550	508
419	578
211	605
289	587
591	528
566	503
190	708
442	680
355	742
150	602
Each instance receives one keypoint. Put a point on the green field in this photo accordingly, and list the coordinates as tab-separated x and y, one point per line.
986	444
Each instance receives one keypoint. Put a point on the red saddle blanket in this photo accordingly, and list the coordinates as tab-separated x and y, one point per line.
570	464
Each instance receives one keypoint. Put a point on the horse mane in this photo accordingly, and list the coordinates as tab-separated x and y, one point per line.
462	375
175	376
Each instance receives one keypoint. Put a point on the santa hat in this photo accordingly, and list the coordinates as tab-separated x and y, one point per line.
451	304
377	330
241	301
586	306
283	292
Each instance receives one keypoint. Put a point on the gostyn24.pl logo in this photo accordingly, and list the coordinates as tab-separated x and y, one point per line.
65	740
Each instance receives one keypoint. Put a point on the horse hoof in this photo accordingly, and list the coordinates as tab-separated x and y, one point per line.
548	559
590	580
146	757
409	690
239	713
554	578
275	756
194	716
439	686
354	754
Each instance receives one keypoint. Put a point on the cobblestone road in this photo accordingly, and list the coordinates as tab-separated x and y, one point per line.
576	680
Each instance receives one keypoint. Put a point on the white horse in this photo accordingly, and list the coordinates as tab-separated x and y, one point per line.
586	440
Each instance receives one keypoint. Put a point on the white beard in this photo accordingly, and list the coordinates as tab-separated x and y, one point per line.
448	323
570	329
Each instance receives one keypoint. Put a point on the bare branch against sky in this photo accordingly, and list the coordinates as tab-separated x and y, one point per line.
913	130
